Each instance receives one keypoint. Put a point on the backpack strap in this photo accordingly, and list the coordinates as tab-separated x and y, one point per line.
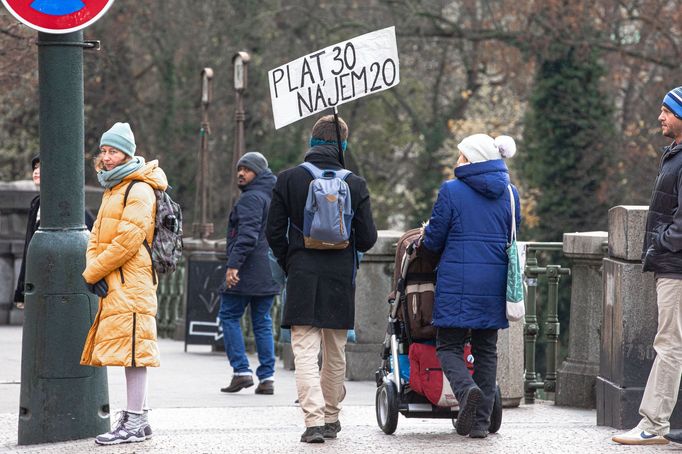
316	172
125	202
130	186
512	236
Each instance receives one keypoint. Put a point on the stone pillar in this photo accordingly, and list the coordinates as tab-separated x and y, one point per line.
576	377
15	198
7	281
510	364
372	286
630	319
16	251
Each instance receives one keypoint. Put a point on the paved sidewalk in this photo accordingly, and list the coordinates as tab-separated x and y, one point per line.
191	416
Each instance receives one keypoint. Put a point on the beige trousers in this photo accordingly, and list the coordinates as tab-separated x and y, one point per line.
319	391
660	394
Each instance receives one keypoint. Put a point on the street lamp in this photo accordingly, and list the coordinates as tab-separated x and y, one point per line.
240	61
203	229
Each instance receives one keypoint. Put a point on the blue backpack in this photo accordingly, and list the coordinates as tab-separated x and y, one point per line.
328	213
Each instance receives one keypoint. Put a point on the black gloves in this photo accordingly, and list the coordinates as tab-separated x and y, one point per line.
99	288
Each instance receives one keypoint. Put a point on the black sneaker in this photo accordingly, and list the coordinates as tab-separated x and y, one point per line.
238	383
330	429
313	435
467	410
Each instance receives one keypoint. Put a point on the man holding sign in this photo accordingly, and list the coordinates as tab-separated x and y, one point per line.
320	306
320	216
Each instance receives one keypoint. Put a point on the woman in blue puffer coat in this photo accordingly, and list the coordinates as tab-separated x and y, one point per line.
470	227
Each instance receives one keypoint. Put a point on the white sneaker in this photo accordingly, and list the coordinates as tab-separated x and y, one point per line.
638	436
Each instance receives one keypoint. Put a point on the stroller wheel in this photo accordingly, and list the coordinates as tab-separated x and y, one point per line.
496	415
386	406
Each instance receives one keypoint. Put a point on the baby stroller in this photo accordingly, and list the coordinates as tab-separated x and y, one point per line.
410	380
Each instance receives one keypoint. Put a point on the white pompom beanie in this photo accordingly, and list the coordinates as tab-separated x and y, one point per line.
482	147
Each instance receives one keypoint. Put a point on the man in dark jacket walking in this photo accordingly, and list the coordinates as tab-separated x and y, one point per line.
662	254
320	305
248	280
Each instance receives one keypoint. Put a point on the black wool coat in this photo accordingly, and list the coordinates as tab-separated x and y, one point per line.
320	283
247	248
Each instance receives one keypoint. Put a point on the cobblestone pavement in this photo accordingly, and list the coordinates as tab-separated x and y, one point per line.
191	416
541	428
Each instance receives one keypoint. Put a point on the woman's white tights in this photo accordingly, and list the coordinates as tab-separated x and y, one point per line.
136	388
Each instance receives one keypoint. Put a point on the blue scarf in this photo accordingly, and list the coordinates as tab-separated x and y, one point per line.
315	141
110	178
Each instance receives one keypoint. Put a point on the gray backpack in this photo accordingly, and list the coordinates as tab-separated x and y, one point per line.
166	248
328	212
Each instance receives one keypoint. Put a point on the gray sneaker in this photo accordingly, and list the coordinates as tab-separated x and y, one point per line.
313	435
146	428
478	433
330	429
121	433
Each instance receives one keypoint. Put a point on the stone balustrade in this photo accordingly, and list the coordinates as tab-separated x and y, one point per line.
15	199
576	377
630	320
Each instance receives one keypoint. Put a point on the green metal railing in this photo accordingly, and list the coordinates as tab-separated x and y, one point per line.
171	308
171	301
531	326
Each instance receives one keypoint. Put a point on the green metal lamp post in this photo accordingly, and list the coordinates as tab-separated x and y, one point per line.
60	399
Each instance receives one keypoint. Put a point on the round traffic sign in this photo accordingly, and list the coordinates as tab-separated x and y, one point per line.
57	16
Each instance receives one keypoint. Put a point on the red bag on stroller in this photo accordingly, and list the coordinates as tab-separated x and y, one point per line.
427	377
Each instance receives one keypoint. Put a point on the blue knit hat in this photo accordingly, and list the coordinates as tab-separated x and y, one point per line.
673	102
121	137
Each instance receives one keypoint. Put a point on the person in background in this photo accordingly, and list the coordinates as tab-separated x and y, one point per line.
32	225
248	280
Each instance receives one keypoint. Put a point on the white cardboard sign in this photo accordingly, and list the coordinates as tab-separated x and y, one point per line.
333	76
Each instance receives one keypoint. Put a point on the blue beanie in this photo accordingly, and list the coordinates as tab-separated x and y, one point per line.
673	102
121	137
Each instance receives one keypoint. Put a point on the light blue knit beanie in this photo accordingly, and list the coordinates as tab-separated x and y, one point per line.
121	137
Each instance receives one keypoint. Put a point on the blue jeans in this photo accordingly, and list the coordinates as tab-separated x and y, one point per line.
232	309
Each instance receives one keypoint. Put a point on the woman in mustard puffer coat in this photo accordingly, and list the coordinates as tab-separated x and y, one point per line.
119	270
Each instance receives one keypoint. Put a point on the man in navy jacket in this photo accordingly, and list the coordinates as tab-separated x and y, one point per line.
248	280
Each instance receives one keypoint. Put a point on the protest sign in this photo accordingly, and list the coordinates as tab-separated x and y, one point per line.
334	75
